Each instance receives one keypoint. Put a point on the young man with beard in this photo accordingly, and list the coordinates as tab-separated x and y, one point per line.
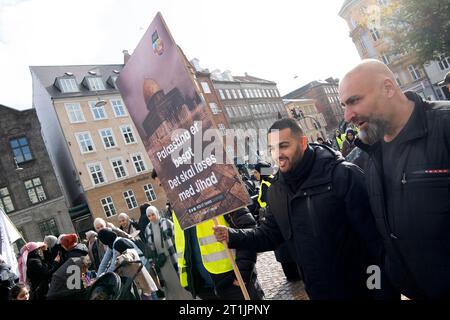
408	176
318	204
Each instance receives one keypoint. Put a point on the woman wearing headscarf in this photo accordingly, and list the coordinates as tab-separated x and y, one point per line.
143	280
52	248
108	237
96	249
126	224
160	238
37	272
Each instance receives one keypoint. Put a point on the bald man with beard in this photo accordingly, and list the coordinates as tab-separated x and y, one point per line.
408	176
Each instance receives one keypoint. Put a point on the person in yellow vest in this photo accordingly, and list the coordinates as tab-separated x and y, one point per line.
198	251
338	140
262	173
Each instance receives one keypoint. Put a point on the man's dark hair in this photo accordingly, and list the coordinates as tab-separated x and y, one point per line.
154	174
287	123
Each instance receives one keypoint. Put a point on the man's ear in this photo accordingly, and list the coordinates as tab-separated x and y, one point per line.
389	88
304	142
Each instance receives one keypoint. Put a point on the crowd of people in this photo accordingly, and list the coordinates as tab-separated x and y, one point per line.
376	195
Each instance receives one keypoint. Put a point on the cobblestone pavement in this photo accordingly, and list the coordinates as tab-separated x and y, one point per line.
273	281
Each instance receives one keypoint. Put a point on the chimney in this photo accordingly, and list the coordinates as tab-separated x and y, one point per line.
126	56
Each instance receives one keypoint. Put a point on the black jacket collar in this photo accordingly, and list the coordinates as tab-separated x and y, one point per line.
321	173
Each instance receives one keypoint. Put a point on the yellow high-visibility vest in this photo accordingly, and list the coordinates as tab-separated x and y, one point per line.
214	256
263	204
340	140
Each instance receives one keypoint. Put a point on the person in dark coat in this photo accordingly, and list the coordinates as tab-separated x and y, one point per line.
225	284
263	173
319	205
58	288
408	176
349	142
96	249
52	249
143	220
7	279
38	271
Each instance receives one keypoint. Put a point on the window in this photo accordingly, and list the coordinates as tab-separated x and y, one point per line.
96	83
230	112
149	192
415	73
48	227
375	34
222	96
233	92
383	2
238	111
20	149
96	172
128	135
108	206
98	112
227	92
444	63
239	92
221	127
74	112
130	199
107	138
118	168
385	59
363	46
68	85
138	162
5	200
35	190
119	109
205	87
214	108
85	142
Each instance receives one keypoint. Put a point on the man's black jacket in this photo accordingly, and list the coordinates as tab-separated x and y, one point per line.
329	225
416	231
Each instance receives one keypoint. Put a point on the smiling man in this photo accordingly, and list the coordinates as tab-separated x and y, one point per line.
408	176
318	204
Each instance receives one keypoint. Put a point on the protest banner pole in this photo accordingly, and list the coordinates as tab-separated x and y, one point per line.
235	268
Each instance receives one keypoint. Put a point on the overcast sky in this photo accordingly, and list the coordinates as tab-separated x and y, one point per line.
290	42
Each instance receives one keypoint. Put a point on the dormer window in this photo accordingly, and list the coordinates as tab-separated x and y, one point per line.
95	83
68	84
112	81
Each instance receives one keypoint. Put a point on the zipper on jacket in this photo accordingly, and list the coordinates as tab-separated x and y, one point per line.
311	214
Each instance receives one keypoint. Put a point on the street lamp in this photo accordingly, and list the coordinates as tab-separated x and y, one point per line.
17	165
100	103
318	125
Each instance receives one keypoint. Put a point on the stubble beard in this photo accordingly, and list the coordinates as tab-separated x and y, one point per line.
374	131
